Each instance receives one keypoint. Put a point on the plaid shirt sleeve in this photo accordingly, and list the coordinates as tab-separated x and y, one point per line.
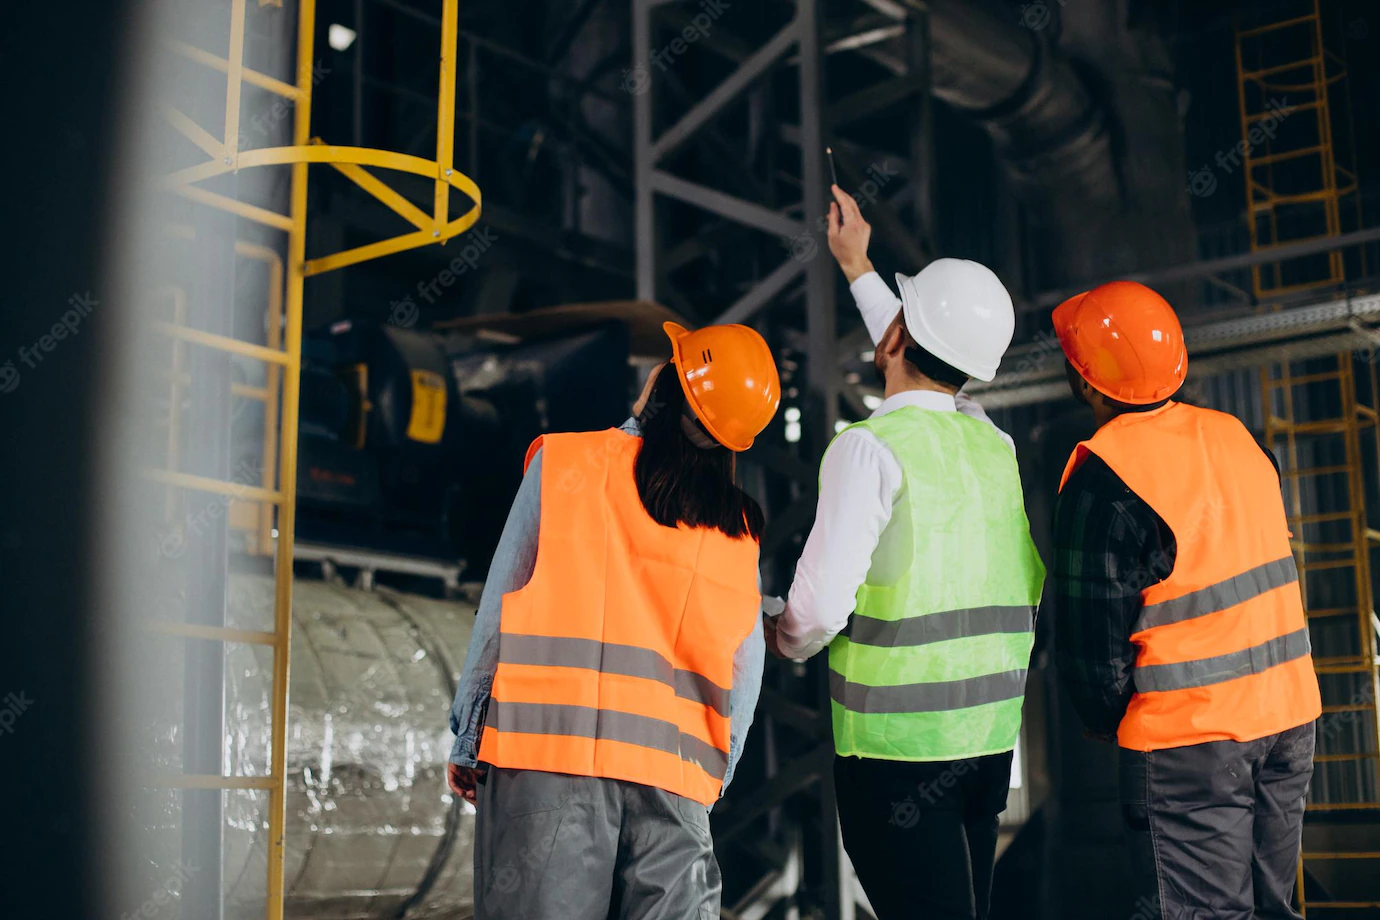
1108	546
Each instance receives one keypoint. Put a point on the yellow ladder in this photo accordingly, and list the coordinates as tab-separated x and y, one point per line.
256	508
1324	453
1317	420
254	519
1295	183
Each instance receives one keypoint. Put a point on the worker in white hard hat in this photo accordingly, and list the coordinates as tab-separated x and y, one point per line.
922	579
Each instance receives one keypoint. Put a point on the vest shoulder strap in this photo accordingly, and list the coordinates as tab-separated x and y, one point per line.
532	451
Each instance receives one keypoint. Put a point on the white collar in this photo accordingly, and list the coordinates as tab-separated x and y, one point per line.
921	399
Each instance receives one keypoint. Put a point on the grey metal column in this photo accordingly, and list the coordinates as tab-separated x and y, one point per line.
819	277
822	379
922	122
804	268
639	79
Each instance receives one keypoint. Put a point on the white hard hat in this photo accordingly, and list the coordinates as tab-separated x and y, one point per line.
960	312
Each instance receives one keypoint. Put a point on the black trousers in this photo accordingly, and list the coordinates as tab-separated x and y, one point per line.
923	836
1215	828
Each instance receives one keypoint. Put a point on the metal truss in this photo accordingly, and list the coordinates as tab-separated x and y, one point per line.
811	874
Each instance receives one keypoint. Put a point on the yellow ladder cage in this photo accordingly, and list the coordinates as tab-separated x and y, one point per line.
1321	420
1299	185
1322	423
264	512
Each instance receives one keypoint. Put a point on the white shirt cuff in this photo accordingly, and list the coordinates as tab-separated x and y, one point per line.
876	302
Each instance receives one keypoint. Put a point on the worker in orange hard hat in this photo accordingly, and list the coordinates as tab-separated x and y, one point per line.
617	652
1179	623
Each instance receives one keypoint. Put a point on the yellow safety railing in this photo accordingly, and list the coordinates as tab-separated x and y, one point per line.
1317	419
282	350
255	519
1290	165
1325	490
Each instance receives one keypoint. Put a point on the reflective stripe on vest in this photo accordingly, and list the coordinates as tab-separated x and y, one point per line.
607	658
1226	593
608	725
932	665
940	627
616	659
938	696
1203	671
1224	651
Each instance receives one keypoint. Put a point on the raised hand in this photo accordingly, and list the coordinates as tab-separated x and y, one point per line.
849	235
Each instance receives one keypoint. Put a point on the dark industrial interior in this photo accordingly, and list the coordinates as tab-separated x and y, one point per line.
639	161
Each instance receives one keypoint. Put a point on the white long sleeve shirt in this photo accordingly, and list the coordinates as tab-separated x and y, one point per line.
859	480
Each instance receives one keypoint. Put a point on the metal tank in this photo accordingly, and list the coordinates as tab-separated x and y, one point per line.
372	831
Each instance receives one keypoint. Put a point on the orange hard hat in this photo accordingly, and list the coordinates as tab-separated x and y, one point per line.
1125	340
729	379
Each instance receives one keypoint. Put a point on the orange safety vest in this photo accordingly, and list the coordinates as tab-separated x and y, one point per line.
1223	641
616	659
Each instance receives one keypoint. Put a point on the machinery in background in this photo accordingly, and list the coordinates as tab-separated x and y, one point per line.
411	447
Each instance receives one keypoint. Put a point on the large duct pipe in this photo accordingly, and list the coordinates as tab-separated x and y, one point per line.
1050	135
372	832
1090	211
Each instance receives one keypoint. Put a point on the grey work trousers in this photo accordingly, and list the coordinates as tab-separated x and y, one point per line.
548	846
1215	828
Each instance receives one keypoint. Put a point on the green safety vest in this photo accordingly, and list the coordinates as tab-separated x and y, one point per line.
933	665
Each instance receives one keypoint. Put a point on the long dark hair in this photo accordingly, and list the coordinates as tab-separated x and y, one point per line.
680	483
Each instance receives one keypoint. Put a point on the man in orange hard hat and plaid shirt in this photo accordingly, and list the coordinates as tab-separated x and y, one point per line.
1179	624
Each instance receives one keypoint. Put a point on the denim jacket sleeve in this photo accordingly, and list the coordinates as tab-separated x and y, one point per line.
747	686
512	566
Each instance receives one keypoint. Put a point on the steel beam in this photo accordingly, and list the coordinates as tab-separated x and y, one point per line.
798	774
569	29
752	68
763	202
742	177
644	224
918	44
821	321
866	30
1193	270
870	100
725	205
745	307
821	334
